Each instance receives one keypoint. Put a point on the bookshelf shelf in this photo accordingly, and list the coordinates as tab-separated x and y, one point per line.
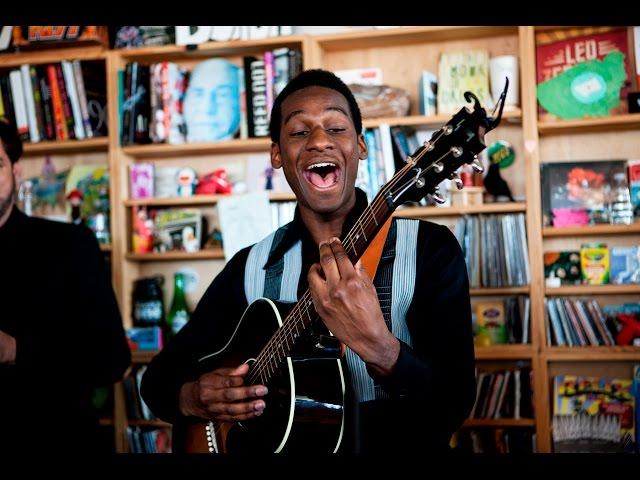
209	49
162	150
588	230
586	354
499	291
92	52
106	247
171	256
142	356
498	422
406	36
199	200
421	212
98	144
148	423
593	290
105	422
504	352
416	120
628	121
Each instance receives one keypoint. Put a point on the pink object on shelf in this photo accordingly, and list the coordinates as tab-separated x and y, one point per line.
567	217
141	177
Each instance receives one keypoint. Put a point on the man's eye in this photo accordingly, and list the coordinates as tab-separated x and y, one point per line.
336	130
299	133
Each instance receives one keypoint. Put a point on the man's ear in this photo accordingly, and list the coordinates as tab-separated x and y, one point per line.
276	159
363	153
17	172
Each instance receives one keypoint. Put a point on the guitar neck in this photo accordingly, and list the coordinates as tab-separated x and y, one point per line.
303	314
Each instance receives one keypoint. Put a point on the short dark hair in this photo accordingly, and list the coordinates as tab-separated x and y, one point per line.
11	141
313	78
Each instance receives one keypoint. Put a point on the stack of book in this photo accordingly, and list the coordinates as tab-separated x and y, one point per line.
504	394
577	323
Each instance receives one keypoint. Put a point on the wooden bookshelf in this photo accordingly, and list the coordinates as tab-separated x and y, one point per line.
98	144
212	254
199	200
499	291
148	423
588	353
504	352
417	120
486	208
142	356
499	422
106	247
159	151
617	122
591	230
593	290
105	422
15	59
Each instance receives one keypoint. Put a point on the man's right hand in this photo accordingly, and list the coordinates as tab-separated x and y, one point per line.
222	396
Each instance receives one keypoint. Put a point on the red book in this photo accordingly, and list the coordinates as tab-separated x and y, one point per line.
66	104
58	114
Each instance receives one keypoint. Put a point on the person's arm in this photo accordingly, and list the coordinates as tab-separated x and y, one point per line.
438	371
90	340
209	329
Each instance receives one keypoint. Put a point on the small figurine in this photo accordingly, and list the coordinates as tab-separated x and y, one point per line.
213	183
75	199
187	179
501	155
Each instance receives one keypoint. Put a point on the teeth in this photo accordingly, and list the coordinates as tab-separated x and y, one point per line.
323	164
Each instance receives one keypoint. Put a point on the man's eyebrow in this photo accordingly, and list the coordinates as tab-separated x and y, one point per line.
298	112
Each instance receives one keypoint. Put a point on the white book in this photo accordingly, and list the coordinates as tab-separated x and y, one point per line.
387	151
82	97
19	103
70	83
27	89
525	322
516	389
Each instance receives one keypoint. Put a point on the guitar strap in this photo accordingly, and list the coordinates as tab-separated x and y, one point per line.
371	257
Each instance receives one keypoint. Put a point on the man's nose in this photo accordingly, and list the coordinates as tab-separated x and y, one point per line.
319	139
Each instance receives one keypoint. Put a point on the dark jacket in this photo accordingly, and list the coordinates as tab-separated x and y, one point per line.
57	301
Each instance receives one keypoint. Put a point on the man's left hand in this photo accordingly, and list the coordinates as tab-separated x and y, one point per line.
7	349
345	298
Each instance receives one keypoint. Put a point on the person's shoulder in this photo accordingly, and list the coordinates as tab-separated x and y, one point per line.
430	230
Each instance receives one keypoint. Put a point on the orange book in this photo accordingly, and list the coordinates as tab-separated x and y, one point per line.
56	100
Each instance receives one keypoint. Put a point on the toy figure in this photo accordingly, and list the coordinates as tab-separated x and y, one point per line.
630	330
75	199
214	183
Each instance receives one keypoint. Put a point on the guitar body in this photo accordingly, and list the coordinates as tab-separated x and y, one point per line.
305	402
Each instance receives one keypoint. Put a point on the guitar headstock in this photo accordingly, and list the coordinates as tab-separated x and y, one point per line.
458	142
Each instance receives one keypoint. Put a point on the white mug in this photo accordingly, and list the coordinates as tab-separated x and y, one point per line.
499	68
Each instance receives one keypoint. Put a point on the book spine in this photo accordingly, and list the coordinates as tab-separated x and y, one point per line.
58	115
19	105
165	99
70	83
66	106
34	132
258	94
269	79
47	108
82	97
244	128
37	102
9	111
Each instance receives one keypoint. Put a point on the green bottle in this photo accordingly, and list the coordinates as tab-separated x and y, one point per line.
179	312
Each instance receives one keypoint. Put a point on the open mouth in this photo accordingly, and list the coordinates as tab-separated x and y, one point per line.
322	175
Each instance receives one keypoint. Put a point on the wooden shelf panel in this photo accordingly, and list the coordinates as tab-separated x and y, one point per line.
407	35
504	352
105	422
163	150
200	200
416	120
52	55
106	247
499	422
593	290
148	423
488	208
587	230
210	49
142	356
586	354
98	144
500	291
559	127
171	256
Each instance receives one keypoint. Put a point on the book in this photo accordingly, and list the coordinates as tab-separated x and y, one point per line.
257	91
46	103
66	103
19	104
490	319
27	91
82	98
562	268
70	83
459	72
574	69
594	263
427	93
95	86
625	264
56	101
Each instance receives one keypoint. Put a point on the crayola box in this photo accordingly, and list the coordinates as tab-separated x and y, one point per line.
594	262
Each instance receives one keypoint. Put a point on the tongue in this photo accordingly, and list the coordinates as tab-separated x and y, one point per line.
328	180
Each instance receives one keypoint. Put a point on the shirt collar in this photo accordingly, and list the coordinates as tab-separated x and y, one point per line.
297	230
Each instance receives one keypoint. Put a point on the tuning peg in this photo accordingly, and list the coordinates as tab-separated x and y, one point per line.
438	167
437	198
477	167
457	180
